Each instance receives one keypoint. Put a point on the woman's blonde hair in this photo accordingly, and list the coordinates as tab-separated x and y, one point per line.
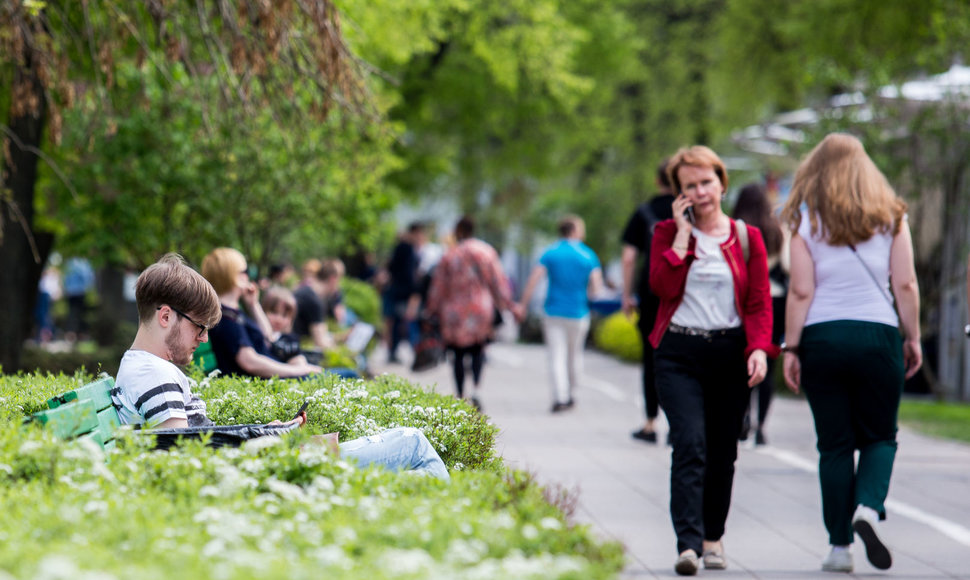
840	186
221	267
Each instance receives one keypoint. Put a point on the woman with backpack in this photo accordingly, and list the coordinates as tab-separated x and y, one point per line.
712	339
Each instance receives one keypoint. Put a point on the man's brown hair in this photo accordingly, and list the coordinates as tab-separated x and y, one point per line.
330	268
279	300
569	224
171	281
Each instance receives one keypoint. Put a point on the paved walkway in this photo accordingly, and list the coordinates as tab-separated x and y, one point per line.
775	527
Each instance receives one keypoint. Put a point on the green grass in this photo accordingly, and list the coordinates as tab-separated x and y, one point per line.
947	420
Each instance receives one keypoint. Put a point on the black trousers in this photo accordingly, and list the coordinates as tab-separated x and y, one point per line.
648	314
476	353
704	392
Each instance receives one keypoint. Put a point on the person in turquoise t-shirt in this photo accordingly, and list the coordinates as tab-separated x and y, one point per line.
574	273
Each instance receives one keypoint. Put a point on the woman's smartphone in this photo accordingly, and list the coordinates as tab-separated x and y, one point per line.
689	214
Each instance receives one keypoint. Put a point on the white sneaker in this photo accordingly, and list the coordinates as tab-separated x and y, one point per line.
865	523
687	563
838	560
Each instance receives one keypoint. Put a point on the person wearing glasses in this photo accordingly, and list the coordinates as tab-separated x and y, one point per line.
239	339
176	310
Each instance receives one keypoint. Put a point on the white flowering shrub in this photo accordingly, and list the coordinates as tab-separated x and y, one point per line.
279	507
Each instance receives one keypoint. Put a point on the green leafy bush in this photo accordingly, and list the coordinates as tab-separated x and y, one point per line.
618	335
275	508
363	299
279	507
462	437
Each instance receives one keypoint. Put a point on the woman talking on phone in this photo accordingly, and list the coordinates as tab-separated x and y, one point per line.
712	338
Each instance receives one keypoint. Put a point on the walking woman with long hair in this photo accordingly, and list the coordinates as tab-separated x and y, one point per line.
850	247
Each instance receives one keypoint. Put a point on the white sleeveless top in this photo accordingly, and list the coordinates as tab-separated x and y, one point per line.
843	288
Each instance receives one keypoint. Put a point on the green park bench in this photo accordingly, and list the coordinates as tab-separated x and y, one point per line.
87	412
84	412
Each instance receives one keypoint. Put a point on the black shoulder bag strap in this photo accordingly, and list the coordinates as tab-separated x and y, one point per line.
873	277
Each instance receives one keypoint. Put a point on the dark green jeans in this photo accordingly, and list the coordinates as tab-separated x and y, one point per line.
852	375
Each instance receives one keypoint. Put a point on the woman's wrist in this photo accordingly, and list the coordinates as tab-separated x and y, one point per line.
792	348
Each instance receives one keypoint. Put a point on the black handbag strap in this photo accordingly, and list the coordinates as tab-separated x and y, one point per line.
873	277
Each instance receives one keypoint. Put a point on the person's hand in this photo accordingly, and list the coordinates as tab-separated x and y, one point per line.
680	205
519	311
757	367
912	356
250	294
308	369
793	372
629	305
411	313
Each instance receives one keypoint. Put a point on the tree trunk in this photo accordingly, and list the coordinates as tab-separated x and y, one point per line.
23	252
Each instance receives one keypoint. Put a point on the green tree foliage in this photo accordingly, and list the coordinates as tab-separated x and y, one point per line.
776	56
55	53
287	128
168	174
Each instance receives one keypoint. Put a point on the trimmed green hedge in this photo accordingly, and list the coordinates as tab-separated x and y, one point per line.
618	335
279	507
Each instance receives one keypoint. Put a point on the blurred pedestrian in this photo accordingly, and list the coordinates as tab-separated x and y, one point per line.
712	339
402	270
637	237
332	272
574	274
48	291
279	274
850	244
78	280
311	309
753	207
467	290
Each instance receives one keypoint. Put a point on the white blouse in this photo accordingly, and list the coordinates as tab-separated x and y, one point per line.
708	301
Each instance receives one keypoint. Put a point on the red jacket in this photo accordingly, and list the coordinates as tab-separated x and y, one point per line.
752	298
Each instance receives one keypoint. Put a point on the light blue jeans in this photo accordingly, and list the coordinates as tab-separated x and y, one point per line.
401	448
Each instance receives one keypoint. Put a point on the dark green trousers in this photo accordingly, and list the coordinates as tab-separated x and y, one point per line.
852	375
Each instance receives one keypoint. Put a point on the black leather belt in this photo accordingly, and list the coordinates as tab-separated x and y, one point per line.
702	332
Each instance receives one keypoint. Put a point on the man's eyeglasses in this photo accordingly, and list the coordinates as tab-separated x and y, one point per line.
202	328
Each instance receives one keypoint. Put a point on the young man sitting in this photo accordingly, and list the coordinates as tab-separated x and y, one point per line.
176	309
